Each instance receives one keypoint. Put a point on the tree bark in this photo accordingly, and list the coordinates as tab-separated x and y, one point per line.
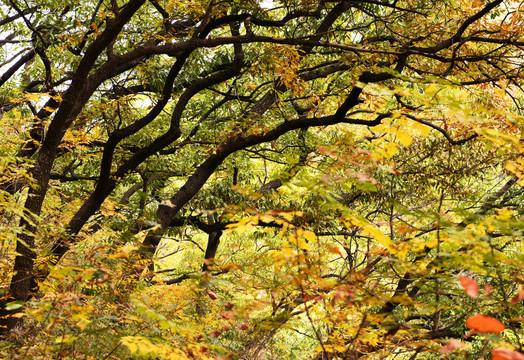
73	103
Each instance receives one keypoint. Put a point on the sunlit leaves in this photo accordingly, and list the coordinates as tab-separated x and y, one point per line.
355	240
142	346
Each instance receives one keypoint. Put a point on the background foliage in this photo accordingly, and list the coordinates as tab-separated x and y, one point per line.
261	180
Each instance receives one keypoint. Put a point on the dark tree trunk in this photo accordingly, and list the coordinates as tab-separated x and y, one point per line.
212	247
73	102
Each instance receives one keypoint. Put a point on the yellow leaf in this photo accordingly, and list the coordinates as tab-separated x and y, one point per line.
82	323
66	339
378	235
139	344
421	128
380	128
266	218
389	150
404	138
288	216
431	89
287	251
128	341
123	252
396	115
340	348
303	244
310	236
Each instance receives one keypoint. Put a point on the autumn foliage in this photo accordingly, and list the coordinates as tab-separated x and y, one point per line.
287	179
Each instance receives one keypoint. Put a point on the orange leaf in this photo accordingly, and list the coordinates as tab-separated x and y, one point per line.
505	354
470	285
517	298
485	324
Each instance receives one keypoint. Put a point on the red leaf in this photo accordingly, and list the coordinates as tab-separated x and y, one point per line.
228	315
487	290
229	305
216	333
470	285
243	327
517	298
472	332
212	295
450	346
485	324
505	354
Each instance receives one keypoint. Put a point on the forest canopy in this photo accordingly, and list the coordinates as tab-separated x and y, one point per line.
246	179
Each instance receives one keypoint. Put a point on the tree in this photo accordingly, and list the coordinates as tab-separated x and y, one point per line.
374	139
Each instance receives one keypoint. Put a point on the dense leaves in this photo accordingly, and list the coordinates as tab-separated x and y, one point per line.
261	179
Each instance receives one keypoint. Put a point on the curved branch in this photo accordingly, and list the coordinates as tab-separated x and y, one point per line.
9	19
442	131
13	69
